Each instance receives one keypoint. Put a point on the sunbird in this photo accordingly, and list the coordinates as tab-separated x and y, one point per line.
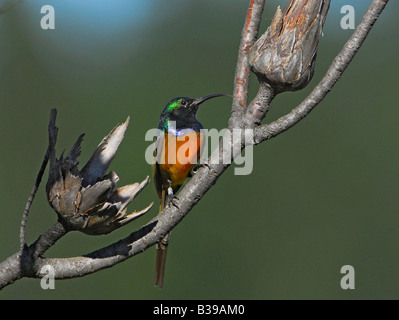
177	150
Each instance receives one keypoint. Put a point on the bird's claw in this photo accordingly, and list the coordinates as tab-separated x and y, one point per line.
173	201
197	167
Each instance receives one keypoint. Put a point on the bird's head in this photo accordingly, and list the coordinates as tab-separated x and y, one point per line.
184	108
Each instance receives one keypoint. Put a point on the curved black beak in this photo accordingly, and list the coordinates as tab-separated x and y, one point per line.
198	101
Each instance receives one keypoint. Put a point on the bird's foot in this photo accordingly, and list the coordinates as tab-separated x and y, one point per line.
172	199
197	167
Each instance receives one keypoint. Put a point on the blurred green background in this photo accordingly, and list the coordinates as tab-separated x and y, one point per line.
322	195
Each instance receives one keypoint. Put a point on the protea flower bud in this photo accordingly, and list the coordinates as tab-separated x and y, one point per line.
284	56
85	200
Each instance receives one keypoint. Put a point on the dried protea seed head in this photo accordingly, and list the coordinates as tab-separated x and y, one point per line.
284	56
86	200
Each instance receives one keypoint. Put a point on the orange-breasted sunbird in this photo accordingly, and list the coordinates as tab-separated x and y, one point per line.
177	150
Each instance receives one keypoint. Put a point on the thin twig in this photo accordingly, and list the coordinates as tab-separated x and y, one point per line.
22	238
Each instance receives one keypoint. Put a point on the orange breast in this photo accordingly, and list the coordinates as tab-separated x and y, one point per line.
179	155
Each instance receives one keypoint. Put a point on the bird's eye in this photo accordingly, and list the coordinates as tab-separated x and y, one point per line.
183	103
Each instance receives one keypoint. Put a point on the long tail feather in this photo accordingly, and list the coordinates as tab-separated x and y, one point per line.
162	248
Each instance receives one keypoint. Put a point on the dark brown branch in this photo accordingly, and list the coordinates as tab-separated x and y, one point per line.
47	239
334	73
